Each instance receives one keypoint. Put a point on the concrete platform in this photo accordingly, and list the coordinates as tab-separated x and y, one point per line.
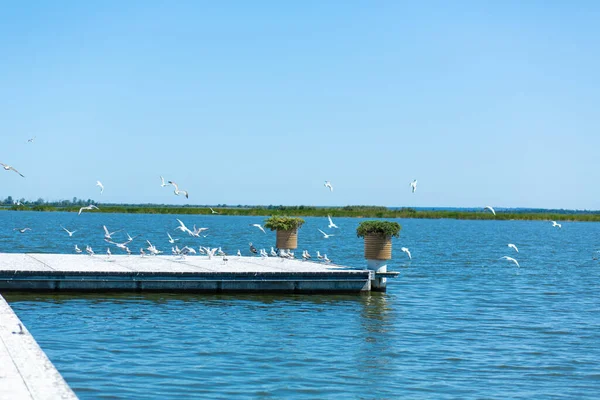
25	371
78	272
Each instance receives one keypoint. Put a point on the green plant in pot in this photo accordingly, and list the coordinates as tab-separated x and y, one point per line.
378	238
287	230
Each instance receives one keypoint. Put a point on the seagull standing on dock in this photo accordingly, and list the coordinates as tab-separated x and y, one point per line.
259	227
9	168
77	250
239	253
510	259
90	207
253	249
325	235
331	224
177	191
554	223
413	185
490	208
68	231
512	246
99	184
328	185
407	251
89	250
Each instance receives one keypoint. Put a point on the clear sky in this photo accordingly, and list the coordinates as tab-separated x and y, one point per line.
259	102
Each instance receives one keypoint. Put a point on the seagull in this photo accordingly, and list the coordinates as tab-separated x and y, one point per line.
129	238
8	168
239	253
162	182
171	240
328	185
307	254
331	224
68	231
554	223
90	207
89	250
212	211
253	249
513	246
319	256
108	253
325	235
304	255
77	249
198	231
259	227
142	252
177	191
490	208
327	260
22	230
183	228
510	259
107	234
273	252
413	185
30	140
98	183
407	251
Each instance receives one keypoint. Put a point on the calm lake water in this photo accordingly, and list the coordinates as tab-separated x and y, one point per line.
457	323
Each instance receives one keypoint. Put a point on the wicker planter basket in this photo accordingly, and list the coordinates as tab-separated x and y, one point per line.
287	239
378	247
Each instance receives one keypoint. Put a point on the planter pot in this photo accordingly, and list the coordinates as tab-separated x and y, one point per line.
287	239
378	247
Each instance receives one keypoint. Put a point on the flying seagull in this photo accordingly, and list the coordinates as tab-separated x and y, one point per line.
554	223
90	207
405	249
413	185
183	228
162	182
9	168
490	208
328	185
98	183
68	231
177	191
30	140
259	227
171	240
510	259
325	235
513	246
331	224
107	234
22	230
212	211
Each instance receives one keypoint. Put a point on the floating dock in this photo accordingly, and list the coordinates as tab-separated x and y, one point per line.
78	272
25	371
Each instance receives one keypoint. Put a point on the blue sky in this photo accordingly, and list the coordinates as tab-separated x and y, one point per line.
485	103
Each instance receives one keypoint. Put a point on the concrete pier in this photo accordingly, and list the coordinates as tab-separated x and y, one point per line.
25	371
78	272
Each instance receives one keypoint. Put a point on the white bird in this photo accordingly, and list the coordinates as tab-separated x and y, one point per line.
331	224
30	140
490	208
107	234
319	256
263	253
77	249
177	191
162	182
407	251
554	223
198	231
273	252
304	255
68	231
252	249
129	238
90	207
327	260
328	185
22	230
239	253
220	252
325	235
513	246
171	240
183	228
307	254
9	168
108	253
142	252
413	185
212	211
98	183
259	227
89	250
511	259
189	250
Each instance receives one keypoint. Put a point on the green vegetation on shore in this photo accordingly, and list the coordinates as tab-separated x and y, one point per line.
310	211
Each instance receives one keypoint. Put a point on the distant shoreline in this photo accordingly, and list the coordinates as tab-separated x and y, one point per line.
348	211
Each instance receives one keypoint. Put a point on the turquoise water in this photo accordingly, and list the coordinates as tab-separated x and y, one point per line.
457	323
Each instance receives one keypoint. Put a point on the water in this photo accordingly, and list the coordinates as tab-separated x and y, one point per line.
457	323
